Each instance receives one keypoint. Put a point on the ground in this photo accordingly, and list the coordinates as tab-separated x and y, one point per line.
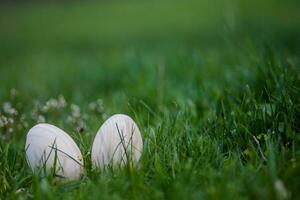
213	86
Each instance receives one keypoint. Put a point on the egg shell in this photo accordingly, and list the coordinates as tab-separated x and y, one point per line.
48	146
117	141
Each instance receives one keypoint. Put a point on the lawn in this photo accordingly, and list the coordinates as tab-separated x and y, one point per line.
214	87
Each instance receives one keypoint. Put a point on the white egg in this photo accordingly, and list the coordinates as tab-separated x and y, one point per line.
49	148
117	141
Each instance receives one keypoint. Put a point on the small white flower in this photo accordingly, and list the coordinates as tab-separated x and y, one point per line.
70	120
7	108
81	126
282	193
3	121
75	110
10	130
41	119
10	120
45	108
61	101
52	103
97	106
92	106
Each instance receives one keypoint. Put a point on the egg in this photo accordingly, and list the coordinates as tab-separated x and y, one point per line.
117	142
49	149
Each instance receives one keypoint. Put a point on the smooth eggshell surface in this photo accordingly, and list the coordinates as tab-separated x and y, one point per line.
117	141
48	146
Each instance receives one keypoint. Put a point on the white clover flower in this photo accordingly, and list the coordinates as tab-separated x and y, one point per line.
92	106
52	103
81	127
10	130
7	108
3	121
61	101
41	119
75	110
280	189
10	120
70	120
97	106
45	108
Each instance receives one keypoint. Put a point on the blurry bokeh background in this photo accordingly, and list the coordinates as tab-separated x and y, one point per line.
157	51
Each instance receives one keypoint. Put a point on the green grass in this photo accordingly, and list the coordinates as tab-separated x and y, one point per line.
214	88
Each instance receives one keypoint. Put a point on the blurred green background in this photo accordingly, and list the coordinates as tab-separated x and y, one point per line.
82	49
